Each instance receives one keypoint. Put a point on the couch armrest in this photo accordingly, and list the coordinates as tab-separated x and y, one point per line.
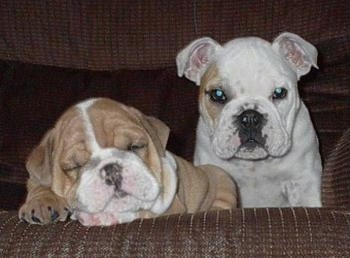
336	174
242	232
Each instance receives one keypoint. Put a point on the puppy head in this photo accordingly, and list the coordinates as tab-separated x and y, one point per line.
100	152
248	91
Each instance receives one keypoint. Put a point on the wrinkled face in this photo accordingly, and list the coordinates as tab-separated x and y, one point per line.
104	159
248	97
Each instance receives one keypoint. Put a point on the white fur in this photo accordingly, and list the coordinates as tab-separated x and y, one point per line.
287	172
83	108
121	210
165	199
97	202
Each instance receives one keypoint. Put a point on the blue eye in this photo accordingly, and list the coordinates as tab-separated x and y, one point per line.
279	93
217	95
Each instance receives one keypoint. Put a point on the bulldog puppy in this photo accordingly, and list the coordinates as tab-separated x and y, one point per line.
106	163
252	121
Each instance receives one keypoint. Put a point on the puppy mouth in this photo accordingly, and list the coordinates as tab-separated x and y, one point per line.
251	151
251	144
251	139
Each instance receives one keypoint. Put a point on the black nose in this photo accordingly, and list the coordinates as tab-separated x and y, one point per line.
112	174
250	119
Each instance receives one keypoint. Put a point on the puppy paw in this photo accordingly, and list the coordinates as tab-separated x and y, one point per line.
44	210
291	190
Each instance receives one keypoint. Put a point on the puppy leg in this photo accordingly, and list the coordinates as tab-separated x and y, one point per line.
225	188
225	199
301	194
43	206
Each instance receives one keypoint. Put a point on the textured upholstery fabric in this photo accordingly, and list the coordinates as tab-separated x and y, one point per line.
109	35
56	53
237	233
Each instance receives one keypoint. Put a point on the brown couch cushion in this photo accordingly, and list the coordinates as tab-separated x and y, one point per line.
109	35
237	233
336	178
145	36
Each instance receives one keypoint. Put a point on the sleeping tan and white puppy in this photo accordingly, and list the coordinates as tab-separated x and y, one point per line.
106	163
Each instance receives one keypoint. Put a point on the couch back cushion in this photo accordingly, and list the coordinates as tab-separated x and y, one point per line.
110	35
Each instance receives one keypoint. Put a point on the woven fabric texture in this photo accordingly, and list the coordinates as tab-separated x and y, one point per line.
56	53
336	179
109	35
238	233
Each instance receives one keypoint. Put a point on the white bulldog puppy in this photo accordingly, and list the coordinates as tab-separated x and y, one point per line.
252	121
107	163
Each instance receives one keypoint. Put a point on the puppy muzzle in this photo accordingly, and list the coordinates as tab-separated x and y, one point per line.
249	128
250	123
113	175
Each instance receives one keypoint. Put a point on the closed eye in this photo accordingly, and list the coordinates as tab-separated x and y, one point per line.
136	147
71	168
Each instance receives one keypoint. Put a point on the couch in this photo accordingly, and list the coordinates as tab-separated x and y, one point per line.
56	53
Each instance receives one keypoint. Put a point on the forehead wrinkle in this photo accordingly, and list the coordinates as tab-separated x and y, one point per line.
254	68
73	129
249	57
124	134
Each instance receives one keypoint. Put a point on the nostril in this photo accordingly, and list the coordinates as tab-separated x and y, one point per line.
112	168
112	174
250	119
245	121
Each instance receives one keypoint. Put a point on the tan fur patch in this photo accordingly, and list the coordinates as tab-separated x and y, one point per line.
210	80
118	126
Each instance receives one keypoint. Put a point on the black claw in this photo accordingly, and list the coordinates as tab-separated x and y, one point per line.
34	218
23	217
54	215
69	213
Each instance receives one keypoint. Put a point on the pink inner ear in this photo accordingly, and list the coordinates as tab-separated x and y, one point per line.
293	53
200	56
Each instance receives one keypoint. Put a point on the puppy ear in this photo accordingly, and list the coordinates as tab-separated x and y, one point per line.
299	53
39	161
193	60
158	131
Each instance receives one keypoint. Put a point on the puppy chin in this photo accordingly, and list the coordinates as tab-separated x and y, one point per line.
258	153
228	146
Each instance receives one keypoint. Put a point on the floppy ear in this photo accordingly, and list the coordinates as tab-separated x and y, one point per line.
299	53
158	131
39	162
194	59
